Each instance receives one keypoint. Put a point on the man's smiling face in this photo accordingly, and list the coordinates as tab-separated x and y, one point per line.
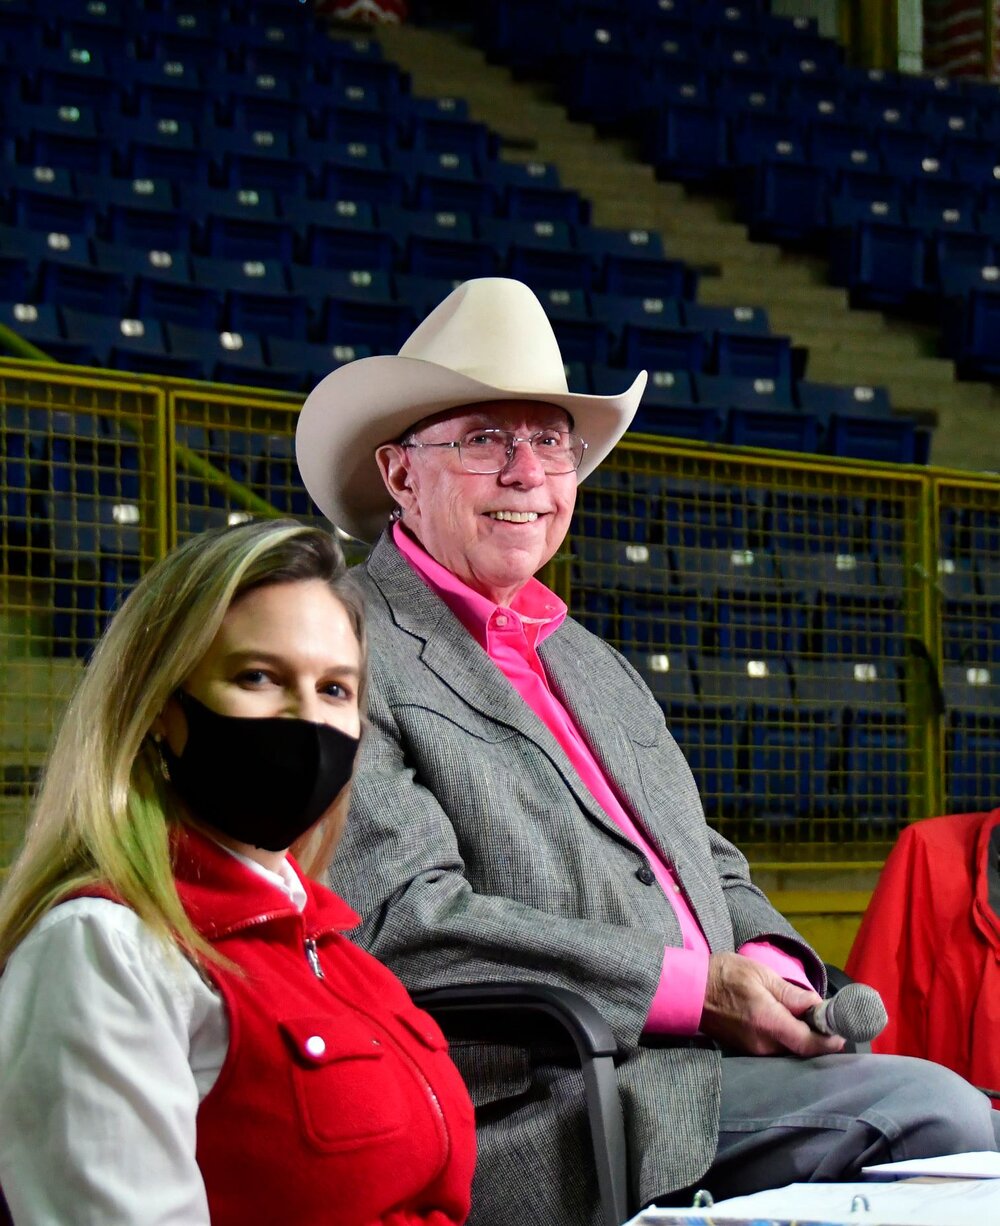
494	531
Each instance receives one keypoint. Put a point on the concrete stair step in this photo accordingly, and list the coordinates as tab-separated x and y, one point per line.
879	367
868	347
810	322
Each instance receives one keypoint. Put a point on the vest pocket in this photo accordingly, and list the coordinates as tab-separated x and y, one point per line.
347	1079
424	1029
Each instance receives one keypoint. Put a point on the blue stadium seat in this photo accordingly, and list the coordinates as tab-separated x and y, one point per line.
336	245
834	143
278	478
536	202
614	565
171	298
99	334
82	287
773	136
313	361
525	174
640	277
811	573
95	561
247	238
270	314
972	746
728	319
860	628
648	623
690	142
679	419
896	439
731	392
669	677
887	264
146	228
401	223
226	357
180	97
260	172
815	522
662	347
457	259
449	134
786	200
541	267
775	429
745	353
363	184
146	160
355	314
581	337
34	209
605	507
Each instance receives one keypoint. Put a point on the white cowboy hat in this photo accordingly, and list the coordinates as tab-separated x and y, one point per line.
488	340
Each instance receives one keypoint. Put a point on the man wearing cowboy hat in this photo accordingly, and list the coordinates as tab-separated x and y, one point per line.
521	811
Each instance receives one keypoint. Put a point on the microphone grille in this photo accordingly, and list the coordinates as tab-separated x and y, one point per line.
857	1013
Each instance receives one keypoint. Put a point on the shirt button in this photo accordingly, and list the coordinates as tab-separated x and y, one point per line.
315	1045
501	620
645	875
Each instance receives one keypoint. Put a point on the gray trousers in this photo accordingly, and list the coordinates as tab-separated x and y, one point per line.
785	1120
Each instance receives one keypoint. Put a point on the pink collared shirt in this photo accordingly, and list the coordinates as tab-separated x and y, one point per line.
511	637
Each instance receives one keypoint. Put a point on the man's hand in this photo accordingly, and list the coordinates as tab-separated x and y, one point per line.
752	1010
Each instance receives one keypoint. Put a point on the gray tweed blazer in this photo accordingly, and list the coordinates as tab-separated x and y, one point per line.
474	853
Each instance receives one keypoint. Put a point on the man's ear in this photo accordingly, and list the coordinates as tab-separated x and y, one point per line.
394	465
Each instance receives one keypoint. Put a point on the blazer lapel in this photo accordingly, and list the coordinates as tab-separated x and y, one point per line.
612	742
465	668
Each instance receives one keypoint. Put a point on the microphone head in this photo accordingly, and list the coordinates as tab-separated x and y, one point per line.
857	1013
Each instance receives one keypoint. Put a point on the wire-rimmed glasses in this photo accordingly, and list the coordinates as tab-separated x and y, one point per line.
490	451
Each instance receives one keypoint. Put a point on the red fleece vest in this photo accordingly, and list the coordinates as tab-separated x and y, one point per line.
337	1104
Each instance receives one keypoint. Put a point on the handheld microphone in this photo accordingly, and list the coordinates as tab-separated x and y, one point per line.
855	1013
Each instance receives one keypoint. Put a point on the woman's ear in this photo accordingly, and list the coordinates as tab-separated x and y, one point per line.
170	726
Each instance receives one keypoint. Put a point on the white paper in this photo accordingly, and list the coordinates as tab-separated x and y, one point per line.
982	1165
961	1202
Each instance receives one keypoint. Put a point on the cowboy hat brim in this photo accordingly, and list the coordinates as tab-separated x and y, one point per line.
374	400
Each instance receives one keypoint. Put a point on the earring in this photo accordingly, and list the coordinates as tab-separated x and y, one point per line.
157	739
396	514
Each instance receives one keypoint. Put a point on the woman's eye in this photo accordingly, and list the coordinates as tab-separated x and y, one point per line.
252	676
335	690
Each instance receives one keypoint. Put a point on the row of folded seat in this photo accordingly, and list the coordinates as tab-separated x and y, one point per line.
787	739
289	31
232	284
895	175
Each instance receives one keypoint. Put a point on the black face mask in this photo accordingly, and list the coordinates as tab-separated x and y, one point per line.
262	781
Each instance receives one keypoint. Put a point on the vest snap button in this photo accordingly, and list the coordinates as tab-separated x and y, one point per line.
645	875
315	1045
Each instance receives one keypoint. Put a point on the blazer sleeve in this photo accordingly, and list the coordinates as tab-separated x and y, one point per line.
400	863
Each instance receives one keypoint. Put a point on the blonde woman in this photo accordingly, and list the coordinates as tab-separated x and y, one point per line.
186	1034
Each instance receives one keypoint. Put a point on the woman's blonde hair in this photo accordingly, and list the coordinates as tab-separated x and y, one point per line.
104	811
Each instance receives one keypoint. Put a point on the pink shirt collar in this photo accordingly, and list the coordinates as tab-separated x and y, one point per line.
534	604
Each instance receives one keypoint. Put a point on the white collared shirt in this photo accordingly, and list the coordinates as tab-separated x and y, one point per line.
108	1043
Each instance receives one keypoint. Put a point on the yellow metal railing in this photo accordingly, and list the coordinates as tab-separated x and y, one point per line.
823	635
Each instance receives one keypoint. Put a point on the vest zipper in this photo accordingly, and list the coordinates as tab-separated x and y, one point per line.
312	957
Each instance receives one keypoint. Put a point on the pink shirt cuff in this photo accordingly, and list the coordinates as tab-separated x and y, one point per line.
775	959
679	999
677	1005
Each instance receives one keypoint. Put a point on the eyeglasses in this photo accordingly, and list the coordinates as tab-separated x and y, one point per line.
490	451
